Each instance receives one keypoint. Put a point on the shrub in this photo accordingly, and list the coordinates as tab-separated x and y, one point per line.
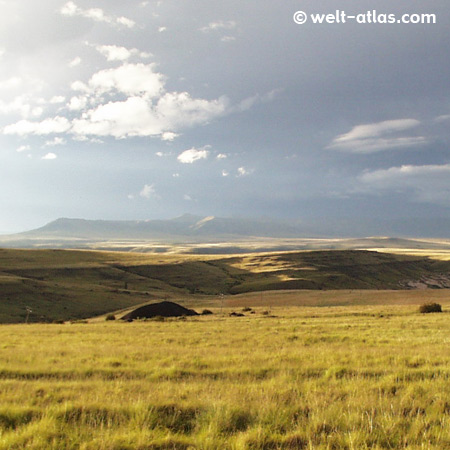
430	308
206	312
110	317
246	309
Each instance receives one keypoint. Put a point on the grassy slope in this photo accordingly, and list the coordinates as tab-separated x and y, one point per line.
329	378
68	284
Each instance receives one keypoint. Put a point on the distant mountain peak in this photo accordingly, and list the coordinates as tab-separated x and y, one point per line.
202	222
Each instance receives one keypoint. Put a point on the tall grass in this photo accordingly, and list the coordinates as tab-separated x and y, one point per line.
328	378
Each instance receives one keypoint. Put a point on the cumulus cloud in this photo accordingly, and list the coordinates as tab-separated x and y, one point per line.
169	136
222	156
228	39
77	103
149	191
443	118
10	83
49	156
54	142
193	154
127	101
48	126
249	102
57	99
22	105
375	137
117	53
425	183
75	62
70	9
225	173
219	25
242	172
128	79
23	148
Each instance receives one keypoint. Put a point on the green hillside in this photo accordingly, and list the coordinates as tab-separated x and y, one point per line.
70	284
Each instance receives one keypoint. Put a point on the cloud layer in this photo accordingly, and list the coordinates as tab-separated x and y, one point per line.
376	137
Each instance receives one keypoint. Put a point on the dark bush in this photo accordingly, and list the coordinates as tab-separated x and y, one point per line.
430	308
206	312
246	309
110	317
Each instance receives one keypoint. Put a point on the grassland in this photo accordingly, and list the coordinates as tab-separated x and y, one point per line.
360	377
70	284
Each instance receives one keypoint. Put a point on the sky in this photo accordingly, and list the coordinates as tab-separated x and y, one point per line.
151	109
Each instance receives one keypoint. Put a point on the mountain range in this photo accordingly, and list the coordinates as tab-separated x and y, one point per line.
190	229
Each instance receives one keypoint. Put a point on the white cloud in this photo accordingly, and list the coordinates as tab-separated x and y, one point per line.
125	21
126	101
54	142
57	99
21	105
193	154
75	62
70	9
375	137
23	148
162	29
136	116
79	86
426	183
242	172
219	25
176	175
49	156
225	173
11	83
228	39
131	117
443	118
222	156
48	126
77	103
128	79
187	197
179	110
169	136
117	53
149	191
249	102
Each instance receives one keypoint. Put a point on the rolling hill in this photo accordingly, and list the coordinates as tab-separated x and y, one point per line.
71	284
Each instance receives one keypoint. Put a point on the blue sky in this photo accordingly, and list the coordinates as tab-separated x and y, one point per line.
152	109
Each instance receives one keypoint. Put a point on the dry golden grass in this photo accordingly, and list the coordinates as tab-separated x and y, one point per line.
362	377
